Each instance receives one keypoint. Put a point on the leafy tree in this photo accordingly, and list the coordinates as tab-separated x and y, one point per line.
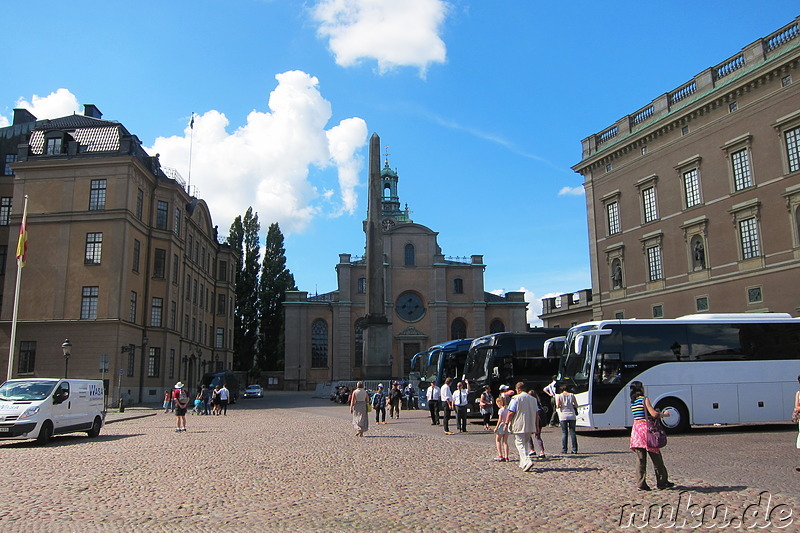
275	280
243	237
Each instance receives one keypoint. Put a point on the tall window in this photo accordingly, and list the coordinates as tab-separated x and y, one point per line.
458	286
649	204
219	342
27	357
154	362
3	258
691	187
654	263
319	344
792	137
223	271
5	210
409	255
94	249
139	203
137	248
89	297
162	210
160	263
741	170
171	363
173	314
97	195
612	213
221	304
156	312
458	329
134	298
748	235
131	359
177	221
362	285
175	268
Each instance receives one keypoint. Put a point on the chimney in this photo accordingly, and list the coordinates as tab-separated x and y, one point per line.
21	116
90	110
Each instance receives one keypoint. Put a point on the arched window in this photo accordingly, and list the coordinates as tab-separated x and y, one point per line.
458	330
458	286
497	326
358	335
319	344
410	260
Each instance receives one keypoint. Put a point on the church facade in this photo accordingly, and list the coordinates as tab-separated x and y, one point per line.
428	298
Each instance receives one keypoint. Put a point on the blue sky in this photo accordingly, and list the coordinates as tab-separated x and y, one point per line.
482	105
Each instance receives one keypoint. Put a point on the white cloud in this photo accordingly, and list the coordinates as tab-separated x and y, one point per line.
265	163
56	104
571	191
394	33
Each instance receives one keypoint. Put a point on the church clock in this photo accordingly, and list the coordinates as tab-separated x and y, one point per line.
409	306
387	223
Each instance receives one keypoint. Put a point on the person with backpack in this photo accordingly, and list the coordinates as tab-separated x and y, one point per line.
379	405
181	398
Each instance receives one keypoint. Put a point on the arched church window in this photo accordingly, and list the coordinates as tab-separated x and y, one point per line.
497	326
409	254
319	344
358	335
458	286
458	329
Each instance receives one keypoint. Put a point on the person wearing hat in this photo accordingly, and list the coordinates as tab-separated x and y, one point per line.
181	399
379	405
395	397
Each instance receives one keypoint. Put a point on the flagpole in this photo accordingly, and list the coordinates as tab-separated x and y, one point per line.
191	144
22	245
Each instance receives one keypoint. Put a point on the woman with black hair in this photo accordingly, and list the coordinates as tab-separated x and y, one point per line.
641	408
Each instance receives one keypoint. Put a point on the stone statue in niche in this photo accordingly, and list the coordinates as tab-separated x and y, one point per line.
616	274
699	255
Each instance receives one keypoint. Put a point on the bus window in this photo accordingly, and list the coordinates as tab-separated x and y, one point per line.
609	368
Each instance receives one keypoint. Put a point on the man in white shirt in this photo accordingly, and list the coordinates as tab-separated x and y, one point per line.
447	399
522	415
460	403
433	395
224	396
551	391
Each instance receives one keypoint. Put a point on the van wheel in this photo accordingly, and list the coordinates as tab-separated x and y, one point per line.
96	425
45	433
678	419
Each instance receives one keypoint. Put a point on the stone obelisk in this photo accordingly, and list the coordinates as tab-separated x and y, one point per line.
377	345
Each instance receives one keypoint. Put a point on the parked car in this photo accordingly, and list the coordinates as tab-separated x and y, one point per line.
253	391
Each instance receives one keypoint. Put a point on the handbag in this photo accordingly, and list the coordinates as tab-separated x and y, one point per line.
795	417
656	434
369	407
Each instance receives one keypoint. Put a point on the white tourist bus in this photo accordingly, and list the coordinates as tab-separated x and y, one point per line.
703	369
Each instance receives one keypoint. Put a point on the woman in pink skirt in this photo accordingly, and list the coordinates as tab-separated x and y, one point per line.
639	405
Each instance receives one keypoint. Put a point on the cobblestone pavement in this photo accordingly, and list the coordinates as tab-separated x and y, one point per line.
292	463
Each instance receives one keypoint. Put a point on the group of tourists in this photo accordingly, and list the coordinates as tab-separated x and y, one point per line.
177	401
519	414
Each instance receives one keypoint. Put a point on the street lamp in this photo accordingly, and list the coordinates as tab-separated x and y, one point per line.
66	347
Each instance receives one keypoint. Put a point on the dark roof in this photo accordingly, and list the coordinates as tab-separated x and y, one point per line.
493	297
74	121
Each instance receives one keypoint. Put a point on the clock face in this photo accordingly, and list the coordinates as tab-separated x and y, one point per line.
387	223
409	307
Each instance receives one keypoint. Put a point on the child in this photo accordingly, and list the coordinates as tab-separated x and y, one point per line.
501	430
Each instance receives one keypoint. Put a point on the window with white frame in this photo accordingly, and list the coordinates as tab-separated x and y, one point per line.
132	316
10	158
740	163
691	187
94	249
156	312
89	296
5	210
792	138
612	214
154	362
162	209
649	204
654	266
97	195
748	238
319	344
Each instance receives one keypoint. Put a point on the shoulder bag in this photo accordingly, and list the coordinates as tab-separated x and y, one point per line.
656	434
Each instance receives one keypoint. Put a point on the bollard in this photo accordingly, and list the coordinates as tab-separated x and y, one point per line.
121	405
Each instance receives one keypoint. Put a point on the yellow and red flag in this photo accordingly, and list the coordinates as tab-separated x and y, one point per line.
22	243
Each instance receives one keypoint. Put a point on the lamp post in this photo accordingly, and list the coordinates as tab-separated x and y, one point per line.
66	347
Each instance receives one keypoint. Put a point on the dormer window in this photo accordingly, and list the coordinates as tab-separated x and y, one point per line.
53	144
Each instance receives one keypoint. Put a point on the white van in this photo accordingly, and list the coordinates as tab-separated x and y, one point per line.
38	408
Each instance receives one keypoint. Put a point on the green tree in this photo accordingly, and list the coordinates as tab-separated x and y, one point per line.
243	237
275	280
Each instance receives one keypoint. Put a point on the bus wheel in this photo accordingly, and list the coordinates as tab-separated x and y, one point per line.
45	433
678	419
